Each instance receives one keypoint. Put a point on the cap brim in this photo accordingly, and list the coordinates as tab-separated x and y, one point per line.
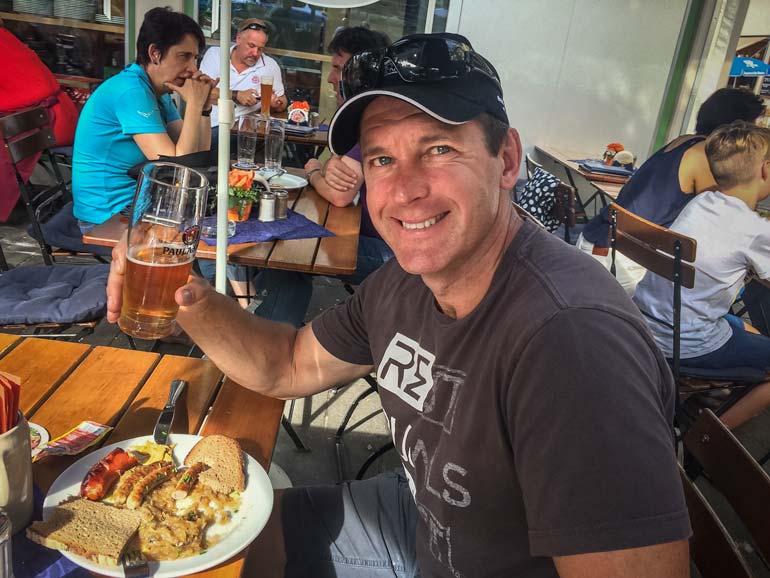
432	100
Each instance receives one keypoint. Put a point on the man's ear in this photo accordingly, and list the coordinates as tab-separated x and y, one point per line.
511	155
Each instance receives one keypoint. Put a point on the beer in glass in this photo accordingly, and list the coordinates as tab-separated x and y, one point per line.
163	234
266	93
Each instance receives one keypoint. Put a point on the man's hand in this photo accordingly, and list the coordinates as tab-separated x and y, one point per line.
339	175
247	97
115	280
278	103
190	297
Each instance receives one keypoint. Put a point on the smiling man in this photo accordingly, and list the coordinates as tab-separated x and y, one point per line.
527	451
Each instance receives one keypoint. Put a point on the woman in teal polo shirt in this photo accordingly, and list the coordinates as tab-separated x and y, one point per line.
130	118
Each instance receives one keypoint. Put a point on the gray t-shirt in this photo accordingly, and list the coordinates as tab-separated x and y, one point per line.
538	425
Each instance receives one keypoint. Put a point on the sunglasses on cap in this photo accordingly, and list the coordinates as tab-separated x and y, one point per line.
258	26
416	58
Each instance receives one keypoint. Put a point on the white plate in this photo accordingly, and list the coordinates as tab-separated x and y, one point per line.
38	436
286	181
246	524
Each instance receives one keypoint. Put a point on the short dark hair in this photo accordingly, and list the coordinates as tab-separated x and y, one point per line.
494	131
727	105
356	39
165	28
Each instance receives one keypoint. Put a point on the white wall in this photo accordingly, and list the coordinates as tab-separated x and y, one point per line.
757	19
578	74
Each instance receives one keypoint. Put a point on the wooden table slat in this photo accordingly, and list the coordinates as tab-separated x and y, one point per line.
246	416
41	365
298	254
336	253
7	340
202	378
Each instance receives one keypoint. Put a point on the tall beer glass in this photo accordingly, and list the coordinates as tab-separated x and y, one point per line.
247	141
266	93
163	234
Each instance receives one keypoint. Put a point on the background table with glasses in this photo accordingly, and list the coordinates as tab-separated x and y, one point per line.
607	192
335	255
64	383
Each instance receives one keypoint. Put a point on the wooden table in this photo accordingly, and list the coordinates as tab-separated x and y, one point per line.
64	383
326	255
607	192
319	138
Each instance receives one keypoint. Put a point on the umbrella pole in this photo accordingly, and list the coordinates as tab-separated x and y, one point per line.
226	112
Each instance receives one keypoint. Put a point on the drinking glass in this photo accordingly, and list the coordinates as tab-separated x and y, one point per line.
266	93
273	131
163	233
248	130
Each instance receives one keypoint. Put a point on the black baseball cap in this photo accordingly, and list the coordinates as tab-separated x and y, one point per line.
451	101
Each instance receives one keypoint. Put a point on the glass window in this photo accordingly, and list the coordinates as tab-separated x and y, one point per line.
300	34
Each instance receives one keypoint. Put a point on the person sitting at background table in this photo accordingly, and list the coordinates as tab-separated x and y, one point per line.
248	63
669	179
130	117
28	83
732	240
527	451
341	179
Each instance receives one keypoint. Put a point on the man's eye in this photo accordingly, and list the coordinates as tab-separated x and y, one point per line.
440	149
381	161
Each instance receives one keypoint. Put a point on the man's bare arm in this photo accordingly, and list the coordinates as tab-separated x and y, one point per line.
271	358
671	560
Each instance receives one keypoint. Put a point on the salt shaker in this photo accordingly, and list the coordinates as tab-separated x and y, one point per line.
281	204
6	562
267	207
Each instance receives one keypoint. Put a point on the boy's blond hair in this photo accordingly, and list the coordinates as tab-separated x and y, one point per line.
734	150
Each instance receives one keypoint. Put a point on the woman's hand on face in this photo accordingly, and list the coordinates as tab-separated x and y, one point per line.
195	90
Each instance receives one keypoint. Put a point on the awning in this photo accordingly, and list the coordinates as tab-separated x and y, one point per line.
748	67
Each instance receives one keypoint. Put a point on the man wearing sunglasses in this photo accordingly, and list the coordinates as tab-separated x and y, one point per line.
248	63
527	401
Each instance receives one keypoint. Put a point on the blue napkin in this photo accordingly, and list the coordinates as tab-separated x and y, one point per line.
294	226
31	560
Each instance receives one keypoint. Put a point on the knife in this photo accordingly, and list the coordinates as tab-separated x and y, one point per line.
167	414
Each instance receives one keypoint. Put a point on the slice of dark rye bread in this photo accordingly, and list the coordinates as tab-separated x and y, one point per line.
94	530
224	457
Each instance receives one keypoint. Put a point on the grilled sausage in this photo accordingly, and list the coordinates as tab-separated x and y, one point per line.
144	486
104	473
128	481
185	484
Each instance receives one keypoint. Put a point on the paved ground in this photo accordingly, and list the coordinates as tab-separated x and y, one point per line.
316	419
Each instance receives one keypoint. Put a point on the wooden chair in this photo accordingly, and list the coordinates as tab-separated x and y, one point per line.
712	549
671	255
27	134
735	474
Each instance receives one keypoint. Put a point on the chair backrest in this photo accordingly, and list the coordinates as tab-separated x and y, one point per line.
711	548
24	135
531	164
659	250
736	475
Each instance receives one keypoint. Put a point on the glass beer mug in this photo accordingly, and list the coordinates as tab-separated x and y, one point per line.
163	234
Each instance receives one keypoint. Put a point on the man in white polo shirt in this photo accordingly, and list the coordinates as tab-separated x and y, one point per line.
248	63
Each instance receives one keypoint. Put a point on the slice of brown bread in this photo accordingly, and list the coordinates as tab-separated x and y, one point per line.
94	530
224	457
